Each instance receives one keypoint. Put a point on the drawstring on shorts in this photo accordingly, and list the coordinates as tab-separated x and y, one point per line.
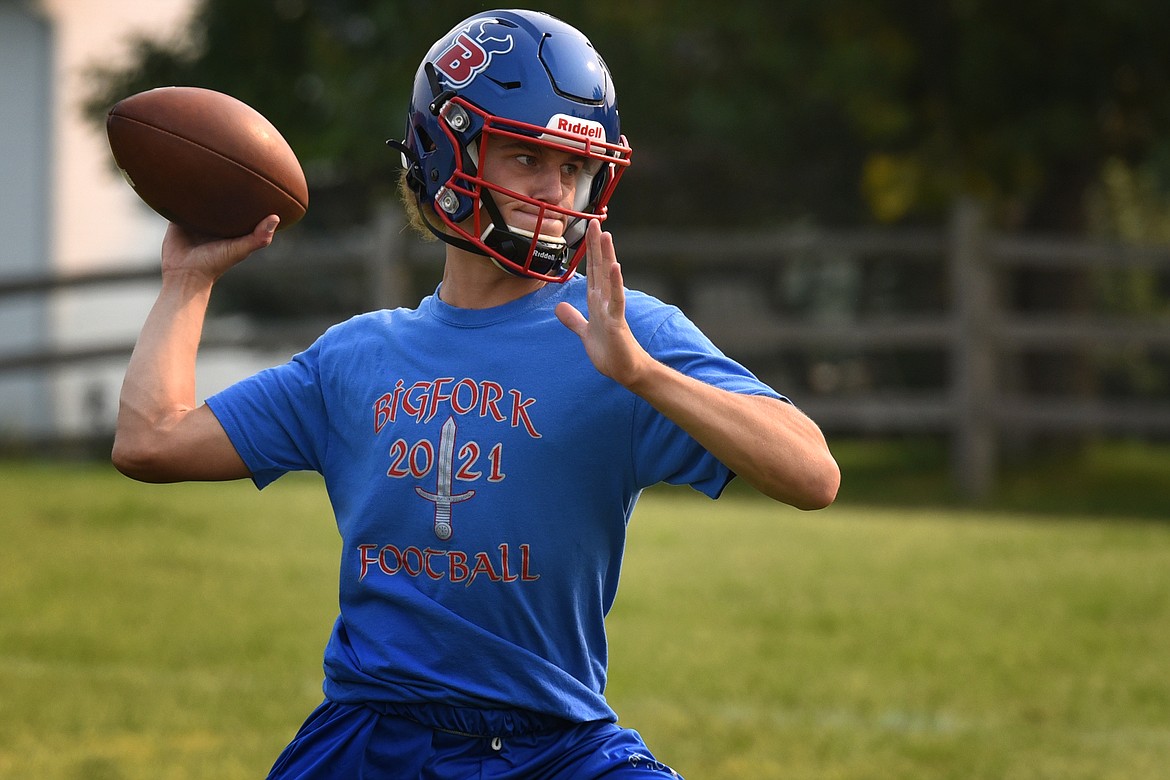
496	743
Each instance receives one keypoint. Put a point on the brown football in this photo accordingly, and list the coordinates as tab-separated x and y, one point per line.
206	160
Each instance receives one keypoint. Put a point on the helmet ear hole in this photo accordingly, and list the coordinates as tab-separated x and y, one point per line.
424	140
423	172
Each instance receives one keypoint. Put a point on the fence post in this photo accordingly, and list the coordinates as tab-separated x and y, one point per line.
974	452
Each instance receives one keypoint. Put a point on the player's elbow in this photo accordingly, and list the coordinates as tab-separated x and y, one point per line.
127	458
816	487
134	457
822	490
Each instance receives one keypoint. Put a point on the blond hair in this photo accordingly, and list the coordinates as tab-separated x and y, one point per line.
414	214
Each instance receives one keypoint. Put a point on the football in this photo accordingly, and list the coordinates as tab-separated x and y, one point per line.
206	160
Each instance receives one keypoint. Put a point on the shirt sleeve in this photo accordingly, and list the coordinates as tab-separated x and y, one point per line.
666	453
277	419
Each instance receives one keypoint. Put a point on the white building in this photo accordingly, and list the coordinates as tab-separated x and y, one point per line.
26	121
64	209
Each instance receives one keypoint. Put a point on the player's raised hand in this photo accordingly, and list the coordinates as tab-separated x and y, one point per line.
184	251
606	335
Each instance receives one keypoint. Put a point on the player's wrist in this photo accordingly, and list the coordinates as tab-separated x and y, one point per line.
188	283
644	375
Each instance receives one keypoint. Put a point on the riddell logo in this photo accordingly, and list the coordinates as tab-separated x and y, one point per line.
585	128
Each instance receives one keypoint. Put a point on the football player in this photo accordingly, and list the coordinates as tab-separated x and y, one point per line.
484	451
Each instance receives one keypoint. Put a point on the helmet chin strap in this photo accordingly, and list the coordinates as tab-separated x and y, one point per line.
447	238
513	245
507	241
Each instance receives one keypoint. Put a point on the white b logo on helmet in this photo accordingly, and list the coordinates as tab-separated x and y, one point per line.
469	55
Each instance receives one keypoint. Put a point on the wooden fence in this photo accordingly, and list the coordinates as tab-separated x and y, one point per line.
802	308
974	332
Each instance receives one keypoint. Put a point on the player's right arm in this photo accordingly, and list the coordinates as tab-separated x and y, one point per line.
162	435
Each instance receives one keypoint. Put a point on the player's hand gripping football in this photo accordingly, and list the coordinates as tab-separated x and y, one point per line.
606	335
186	252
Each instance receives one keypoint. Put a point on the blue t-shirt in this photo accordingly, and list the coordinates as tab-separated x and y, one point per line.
482	473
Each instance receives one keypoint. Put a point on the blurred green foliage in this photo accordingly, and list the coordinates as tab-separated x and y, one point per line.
745	113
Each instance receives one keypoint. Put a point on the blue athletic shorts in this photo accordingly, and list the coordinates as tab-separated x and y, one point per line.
378	742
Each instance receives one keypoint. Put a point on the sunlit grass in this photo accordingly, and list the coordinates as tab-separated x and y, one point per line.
158	631
756	642
177	631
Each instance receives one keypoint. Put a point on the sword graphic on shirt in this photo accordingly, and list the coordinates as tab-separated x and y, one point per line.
442	497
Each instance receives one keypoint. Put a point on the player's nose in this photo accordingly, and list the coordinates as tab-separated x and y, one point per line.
548	185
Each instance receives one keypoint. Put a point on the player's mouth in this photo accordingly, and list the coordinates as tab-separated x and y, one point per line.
550	227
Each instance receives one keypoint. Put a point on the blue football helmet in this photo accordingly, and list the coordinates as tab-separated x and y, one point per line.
507	75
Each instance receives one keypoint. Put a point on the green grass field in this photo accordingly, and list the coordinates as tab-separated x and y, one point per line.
176	632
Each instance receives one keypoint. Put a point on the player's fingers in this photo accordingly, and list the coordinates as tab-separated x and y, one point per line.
265	229
571	318
593	255
188	251
615	291
605	243
261	236
230	251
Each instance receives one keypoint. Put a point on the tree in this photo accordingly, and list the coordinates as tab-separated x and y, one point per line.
834	110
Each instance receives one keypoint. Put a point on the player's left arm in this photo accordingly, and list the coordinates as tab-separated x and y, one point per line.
765	441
